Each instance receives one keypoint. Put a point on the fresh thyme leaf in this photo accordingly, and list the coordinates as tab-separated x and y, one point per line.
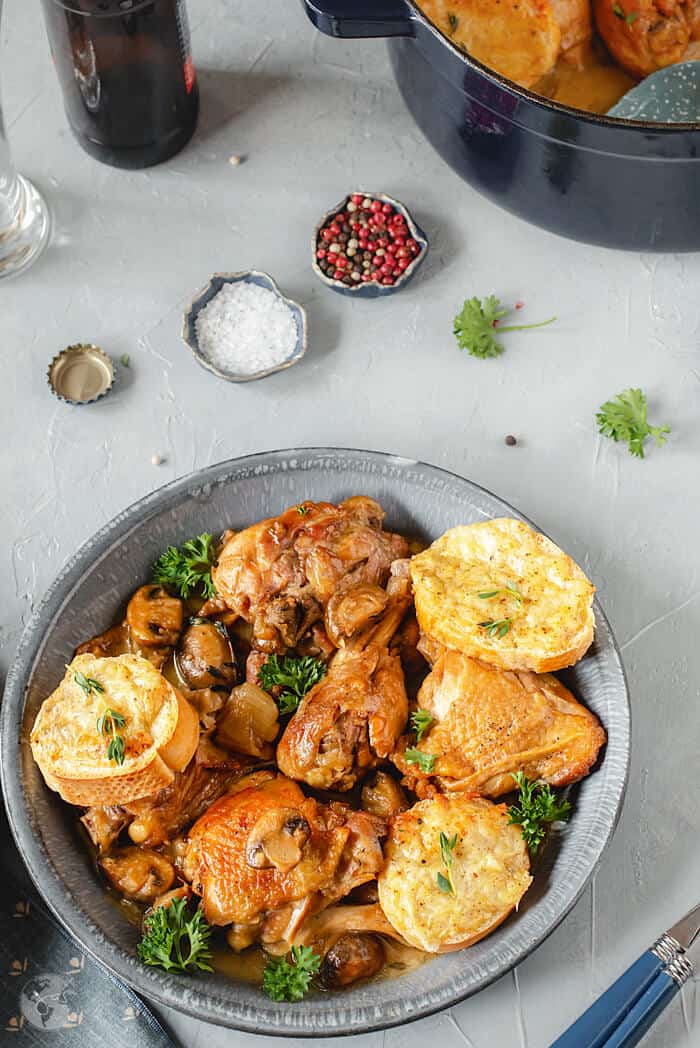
425	761
509	590
453	22
496	627
88	684
618	12
285	980
476	324
447	846
187	569
302	510
295	676
124	360
176	939
107	724
420	722
625	418
537	806
632	17
488	595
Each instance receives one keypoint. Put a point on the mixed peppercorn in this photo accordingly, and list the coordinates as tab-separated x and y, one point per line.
367	241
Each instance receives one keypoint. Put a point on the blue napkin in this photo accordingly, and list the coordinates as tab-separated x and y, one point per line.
51	993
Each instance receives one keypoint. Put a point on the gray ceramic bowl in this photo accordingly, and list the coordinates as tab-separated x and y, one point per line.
206	294
84	598
372	289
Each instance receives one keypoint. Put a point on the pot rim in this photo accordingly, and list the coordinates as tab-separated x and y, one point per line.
524	94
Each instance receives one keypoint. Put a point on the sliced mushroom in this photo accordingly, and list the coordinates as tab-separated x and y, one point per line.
277	840
383	796
138	873
354	956
350	610
249	722
154	617
205	658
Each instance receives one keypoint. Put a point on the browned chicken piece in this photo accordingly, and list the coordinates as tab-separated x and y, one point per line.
154	617
104	824
204	657
138	873
210	773
324	928
576	25
646	35
280	574
114	641
489	723
352	718
520	39
351	609
382	796
270	852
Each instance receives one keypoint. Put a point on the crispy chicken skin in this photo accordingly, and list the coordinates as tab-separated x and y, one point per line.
352	718
280	574
270	850
489	723
657	33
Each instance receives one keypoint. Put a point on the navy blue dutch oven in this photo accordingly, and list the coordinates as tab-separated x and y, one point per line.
618	183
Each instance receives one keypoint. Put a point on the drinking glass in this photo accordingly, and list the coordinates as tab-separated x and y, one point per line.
24	218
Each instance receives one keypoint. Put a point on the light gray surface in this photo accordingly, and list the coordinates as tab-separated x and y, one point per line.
314	118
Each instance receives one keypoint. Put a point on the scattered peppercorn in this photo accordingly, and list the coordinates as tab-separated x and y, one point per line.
511	441
367	242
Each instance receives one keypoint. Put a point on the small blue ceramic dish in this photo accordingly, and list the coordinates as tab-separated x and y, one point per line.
206	294
372	289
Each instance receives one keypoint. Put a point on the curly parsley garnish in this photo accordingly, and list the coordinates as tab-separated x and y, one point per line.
420	722
285	980
88	684
107	724
537	806
188	569
425	761
176	939
294	676
625	418
446	883
477	324
496	627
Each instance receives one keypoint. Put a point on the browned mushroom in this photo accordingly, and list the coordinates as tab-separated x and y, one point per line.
354	956
352	609
204	657
383	796
104	824
114	641
138	873
154	617
277	840
249	722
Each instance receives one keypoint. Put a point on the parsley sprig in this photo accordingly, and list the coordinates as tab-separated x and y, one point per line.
187	570
445	882
537	806
425	761
294	676
176	939
107	724
477	324
285	980
625	418
88	684
420	722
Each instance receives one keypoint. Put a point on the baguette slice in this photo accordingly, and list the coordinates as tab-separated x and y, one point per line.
504	573
490	872
160	732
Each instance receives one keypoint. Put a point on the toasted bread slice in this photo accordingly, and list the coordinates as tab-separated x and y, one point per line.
490	872
502	592
489	723
160	731
520	39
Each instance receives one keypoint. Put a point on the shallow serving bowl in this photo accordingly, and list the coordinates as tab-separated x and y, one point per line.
419	500
204	297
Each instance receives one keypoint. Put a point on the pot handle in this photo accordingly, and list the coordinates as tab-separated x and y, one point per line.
360	18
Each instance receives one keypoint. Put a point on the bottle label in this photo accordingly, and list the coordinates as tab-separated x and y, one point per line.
183	33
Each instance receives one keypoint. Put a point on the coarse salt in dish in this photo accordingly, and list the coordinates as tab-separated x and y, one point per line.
246	329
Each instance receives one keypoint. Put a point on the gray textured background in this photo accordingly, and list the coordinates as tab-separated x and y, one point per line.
316	117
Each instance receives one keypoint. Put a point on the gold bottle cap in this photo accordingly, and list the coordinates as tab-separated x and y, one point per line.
81	374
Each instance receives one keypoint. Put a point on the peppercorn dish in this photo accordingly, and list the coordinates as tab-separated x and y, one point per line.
256	745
